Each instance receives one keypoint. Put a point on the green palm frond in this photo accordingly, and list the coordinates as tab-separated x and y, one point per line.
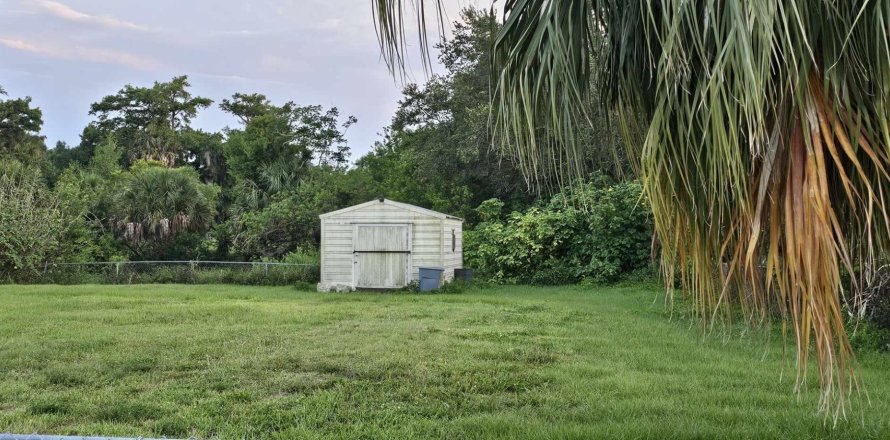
542	70
157	202
760	128
389	22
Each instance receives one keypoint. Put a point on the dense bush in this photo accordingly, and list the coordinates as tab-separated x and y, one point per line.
871	329
286	222
32	221
880	312
867	336
594	232
161	212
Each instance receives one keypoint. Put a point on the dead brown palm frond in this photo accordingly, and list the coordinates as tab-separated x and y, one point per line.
760	129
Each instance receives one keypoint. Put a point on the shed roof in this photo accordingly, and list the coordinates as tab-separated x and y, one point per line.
393	203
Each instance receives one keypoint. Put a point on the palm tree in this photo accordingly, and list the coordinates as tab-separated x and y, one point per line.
760	129
156	203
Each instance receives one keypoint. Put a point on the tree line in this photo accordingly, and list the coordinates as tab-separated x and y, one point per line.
144	184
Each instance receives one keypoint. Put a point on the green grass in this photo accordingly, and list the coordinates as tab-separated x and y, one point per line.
513	362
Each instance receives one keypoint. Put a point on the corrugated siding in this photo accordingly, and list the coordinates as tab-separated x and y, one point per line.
337	240
336	251
454	259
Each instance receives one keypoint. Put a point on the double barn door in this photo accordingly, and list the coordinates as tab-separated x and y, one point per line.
381	255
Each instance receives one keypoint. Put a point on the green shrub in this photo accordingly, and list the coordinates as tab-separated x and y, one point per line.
594	232
873	330
452	287
32	222
553	274
880	310
309	256
412	287
255	274
865	336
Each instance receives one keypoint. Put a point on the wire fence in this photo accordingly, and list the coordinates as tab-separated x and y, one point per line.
180	272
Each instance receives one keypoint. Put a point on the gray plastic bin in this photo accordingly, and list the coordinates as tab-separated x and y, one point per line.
430	278
465	275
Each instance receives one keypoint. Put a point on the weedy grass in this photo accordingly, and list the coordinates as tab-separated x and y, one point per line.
238	362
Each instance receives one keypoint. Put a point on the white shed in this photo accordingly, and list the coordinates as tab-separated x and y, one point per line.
382	244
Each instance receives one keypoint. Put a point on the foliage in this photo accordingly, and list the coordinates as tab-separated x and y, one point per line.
309	255
453	287
19	130
437	152
591	232
413	286
149	120
277	143
106	160
87	194
871	312
866	337
205	154
63	156
448	287
289	221
32	222
246	107
168	103
286	165
880	313
157	205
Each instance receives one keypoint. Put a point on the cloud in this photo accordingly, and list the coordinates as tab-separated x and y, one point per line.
78	53
330	24
67	13
242	79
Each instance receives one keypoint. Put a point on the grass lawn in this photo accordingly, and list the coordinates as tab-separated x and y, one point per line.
513	362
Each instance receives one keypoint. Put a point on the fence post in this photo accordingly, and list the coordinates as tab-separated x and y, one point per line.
266	270
117	271
45	266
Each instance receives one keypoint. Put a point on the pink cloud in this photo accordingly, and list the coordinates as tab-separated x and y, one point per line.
78	53
67	13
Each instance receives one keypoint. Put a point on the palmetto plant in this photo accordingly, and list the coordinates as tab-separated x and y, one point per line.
157	203
760	129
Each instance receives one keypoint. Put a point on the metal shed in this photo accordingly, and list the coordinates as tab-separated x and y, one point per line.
382	244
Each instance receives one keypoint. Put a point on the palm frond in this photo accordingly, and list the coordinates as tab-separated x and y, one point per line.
760	129
542	70
389	23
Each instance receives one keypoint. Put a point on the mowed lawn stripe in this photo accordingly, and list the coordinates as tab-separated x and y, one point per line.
509	362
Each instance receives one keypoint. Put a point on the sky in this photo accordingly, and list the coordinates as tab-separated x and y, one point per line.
67	54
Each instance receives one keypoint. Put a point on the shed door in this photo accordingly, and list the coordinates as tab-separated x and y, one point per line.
382	256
